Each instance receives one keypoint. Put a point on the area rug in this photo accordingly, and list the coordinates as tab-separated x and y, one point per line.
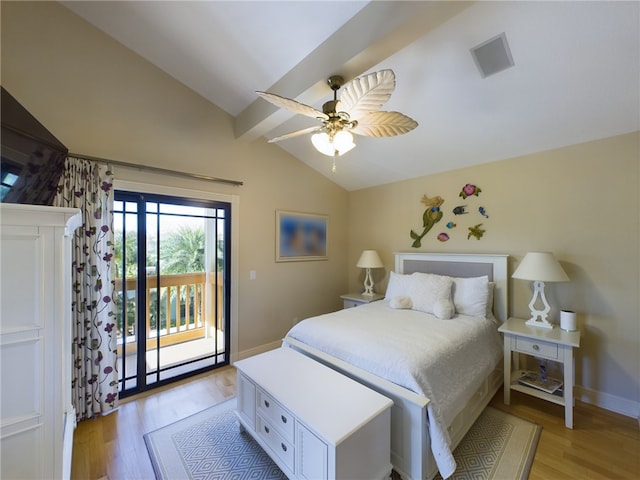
209	446
499	446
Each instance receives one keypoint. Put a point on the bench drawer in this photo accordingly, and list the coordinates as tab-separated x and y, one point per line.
283	449
536	347
278	416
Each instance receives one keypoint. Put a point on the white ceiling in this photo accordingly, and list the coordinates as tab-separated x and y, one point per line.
576	76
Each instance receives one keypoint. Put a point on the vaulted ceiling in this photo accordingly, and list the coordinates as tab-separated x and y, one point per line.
576	75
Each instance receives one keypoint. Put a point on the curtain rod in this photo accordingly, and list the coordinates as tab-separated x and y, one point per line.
165	171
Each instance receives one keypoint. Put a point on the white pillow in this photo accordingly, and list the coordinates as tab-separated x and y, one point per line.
401	302
471	295
432	294
398	285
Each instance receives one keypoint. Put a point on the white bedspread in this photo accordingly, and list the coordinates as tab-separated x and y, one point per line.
443	360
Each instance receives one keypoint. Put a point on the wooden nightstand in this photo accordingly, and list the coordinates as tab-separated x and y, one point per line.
355	299
553	344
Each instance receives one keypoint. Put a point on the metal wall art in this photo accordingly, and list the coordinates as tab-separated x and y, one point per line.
466	213
430	217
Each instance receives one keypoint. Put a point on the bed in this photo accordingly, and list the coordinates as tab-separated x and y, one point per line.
432	411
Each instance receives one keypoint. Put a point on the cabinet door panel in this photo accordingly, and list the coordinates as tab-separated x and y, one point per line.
21	454
247	400
24	271
22	377
311	453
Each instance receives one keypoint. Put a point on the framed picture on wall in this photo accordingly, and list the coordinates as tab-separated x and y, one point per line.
300	236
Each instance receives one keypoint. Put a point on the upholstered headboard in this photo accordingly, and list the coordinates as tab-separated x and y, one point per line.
462	265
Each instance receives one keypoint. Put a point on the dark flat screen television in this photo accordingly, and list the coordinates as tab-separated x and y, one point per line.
32	158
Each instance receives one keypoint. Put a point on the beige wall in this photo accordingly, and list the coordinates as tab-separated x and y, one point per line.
580	202
102	100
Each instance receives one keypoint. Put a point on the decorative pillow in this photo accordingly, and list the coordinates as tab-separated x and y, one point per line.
471	295
398	285
432	294
401	302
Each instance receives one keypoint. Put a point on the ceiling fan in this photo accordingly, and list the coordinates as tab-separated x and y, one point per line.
357	111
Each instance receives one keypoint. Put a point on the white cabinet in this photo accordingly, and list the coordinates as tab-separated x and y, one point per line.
35	341
313	422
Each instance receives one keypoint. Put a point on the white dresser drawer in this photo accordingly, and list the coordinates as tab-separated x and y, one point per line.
276	415
276	442
351	303
536	347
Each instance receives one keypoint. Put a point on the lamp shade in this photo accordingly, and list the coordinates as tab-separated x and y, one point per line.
540	266
369	259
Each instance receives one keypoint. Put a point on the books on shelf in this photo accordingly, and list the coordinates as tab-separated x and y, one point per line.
535	380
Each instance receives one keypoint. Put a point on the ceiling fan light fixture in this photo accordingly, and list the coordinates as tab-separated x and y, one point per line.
341	143
323	144
356	112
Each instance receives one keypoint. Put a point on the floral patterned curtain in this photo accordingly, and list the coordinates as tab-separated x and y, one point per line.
88	186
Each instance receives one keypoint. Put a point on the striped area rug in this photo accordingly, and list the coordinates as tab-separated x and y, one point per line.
209	446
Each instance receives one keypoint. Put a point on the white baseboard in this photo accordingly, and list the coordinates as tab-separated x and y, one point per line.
613	403
256	350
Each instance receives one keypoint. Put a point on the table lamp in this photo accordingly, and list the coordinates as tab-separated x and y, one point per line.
540	267
369	259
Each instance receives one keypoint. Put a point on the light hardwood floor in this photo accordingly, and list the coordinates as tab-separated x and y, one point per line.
603	445
112	447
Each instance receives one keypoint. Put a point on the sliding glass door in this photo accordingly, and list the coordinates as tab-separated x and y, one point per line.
172	288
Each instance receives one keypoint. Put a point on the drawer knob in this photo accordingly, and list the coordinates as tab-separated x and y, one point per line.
266	403
283	418
284	447
266	429
536	347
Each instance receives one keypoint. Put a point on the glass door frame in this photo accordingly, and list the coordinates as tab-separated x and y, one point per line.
141	199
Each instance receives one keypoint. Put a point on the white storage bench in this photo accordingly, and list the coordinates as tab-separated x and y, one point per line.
312	421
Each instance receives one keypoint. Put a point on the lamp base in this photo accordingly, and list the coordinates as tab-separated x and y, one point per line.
539	317
368	284
539	323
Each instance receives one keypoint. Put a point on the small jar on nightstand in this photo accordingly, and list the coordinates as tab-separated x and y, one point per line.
355	299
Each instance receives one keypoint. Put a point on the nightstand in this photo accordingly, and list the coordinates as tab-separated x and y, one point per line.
553	344
355	299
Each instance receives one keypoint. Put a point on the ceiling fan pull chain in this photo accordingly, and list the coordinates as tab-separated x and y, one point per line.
333	168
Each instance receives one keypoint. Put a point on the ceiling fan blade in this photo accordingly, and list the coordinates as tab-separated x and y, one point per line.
293	106
384	124
296	133
367	93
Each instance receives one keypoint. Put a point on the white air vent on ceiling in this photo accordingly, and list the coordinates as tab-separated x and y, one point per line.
492	56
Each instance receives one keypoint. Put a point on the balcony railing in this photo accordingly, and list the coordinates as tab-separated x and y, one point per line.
181	311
